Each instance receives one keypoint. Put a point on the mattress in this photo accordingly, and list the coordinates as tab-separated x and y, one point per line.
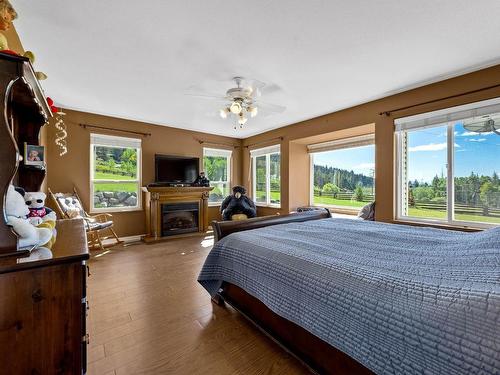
398	299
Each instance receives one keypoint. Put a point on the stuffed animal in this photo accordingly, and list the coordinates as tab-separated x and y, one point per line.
50	225
37	254
238	203
36	204
7	15
201	180
17	212
41	216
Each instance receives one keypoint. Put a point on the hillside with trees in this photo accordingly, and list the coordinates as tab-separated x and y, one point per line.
473	191
343	179
341	187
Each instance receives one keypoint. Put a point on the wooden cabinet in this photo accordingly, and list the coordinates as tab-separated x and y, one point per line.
43	293
24	111
43	307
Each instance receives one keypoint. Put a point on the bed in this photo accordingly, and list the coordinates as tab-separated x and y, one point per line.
349	296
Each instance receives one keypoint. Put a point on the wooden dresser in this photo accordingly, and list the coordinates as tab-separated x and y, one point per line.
42	294
43	307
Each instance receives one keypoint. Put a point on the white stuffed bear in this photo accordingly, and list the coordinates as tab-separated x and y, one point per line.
17	211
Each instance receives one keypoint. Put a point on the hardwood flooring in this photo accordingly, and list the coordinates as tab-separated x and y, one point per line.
149	315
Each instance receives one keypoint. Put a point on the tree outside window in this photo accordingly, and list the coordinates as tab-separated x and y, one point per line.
266	182
115	173
216	165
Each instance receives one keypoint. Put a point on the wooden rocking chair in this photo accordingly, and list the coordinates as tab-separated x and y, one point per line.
69	206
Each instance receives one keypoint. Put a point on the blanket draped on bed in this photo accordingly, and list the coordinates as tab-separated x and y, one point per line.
398	299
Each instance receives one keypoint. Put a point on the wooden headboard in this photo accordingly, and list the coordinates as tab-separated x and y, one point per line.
224	228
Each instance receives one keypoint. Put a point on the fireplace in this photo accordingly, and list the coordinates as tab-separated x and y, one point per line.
179	218
163	203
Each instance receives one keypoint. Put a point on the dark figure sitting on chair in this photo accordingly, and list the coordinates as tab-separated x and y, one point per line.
238	204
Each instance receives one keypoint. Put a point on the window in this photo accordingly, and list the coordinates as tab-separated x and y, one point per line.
217	167
343	172
115	173
448	165
266	181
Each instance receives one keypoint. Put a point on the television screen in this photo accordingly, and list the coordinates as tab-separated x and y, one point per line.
176	169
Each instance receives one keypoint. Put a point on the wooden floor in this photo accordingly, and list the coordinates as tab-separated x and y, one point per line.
148	315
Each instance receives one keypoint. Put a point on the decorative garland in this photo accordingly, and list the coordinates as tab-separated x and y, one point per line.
62	133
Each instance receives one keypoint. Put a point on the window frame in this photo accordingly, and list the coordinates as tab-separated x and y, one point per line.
216	152
267	152
340	144
116	140
402	153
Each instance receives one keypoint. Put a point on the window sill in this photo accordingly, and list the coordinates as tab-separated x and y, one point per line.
467	227
214	204
115	210
278	206
340	209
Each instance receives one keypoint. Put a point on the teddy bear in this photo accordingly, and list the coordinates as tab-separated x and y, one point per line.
36	204
16	211
201	180
238	204
41	216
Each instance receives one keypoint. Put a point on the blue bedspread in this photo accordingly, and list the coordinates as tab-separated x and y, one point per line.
398	299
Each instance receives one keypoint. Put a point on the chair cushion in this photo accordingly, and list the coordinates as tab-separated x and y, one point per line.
70	205
94	225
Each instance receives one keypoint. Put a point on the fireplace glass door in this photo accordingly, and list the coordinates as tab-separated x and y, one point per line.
179	218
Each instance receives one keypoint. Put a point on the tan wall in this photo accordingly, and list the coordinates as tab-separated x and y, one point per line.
292	186
73	169
299	164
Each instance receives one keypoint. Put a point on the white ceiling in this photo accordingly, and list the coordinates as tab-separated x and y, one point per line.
135	60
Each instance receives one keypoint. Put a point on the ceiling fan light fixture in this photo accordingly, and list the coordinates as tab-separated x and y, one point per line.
240	102
235	107
224	112
242	120
253	111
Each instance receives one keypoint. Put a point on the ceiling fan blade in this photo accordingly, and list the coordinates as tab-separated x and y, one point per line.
207	96
483	125
477	127
255	85
268	107
271	89
204	91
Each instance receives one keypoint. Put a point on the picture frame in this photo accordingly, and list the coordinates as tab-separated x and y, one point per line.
34	155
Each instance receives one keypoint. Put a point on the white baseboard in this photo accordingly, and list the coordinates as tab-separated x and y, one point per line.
126	239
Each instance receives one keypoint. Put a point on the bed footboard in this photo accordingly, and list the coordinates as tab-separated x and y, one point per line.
224	228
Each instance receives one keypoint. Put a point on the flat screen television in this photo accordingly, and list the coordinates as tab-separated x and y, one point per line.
176	169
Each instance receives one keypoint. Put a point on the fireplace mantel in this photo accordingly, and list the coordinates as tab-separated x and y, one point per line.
158	196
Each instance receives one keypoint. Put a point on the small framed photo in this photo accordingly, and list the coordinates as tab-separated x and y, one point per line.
34	155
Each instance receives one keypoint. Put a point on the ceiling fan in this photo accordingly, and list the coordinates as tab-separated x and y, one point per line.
485	124
242	101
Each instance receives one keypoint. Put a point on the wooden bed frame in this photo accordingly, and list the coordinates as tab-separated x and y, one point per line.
318	355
